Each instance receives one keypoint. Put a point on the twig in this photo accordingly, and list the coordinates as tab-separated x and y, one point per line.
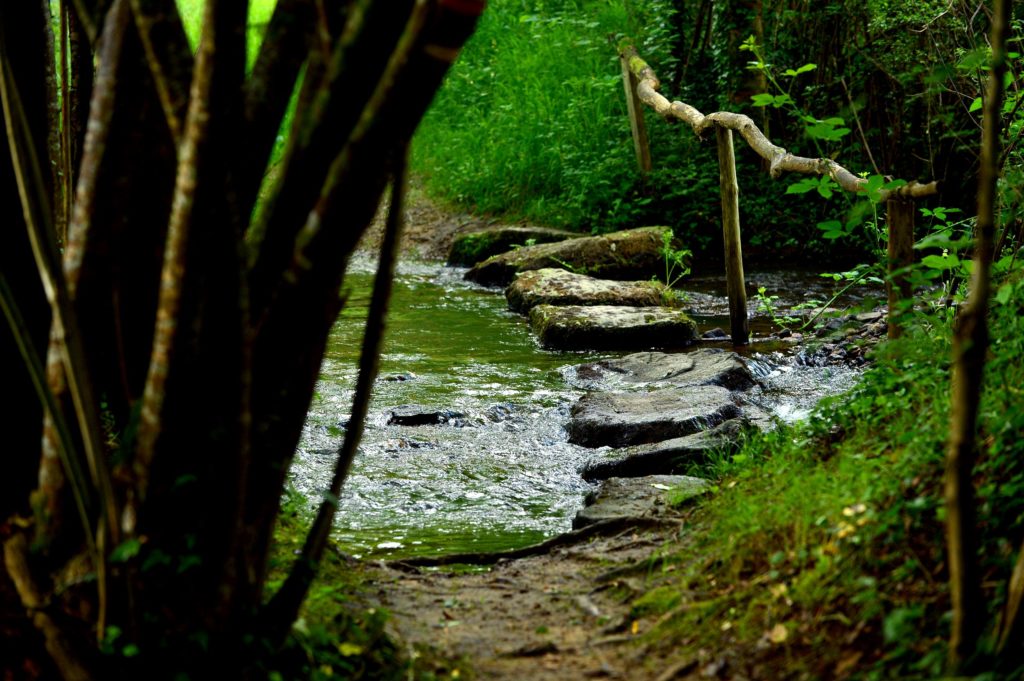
860	130
283	607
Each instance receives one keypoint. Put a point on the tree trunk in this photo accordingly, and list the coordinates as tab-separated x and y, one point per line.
970	342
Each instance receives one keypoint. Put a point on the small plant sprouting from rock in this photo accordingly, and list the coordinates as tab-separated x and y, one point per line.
676	267
676	259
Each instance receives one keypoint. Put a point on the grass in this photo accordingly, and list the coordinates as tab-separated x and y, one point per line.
532	120
259	14
822	552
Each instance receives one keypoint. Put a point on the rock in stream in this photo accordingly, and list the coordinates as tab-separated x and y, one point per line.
611	327
552	286
637	497
630	255
472	247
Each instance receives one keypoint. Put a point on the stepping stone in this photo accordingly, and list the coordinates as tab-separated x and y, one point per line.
419	415
665	457
622	419
551	286
472	247
611	327
638	497
633	254
642	370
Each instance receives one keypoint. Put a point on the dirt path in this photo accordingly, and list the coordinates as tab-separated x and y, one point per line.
558	616
429	228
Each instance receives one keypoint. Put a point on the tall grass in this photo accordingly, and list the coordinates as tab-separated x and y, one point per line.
532	119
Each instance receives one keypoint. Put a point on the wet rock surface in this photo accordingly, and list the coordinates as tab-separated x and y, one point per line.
640	497
469	248
611	327
668	456
628	255
553	286
705	366
619	419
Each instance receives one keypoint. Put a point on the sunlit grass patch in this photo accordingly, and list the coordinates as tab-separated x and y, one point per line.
259	14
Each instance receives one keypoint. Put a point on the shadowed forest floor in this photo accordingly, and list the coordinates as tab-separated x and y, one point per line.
564	614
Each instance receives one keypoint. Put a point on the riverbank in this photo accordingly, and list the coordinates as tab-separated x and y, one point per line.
817	552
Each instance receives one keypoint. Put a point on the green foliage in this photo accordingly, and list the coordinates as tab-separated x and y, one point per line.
545	135
532	119
259	14
828	535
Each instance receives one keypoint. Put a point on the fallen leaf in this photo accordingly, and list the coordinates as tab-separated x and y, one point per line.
778	634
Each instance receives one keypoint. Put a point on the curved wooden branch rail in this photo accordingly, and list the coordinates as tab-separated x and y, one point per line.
779	159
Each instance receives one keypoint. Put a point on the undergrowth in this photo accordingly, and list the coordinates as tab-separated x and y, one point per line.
822	553
337	636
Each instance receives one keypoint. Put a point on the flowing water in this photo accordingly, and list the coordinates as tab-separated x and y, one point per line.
497	471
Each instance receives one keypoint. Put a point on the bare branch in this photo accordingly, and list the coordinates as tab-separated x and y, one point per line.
168	55
779	159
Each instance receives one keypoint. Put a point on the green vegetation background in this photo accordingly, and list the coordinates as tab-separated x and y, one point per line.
532	120
821	551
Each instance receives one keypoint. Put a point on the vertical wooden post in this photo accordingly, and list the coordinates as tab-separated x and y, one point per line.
731	231
636	118
899	216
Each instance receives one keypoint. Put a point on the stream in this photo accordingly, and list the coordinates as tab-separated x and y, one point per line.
498	473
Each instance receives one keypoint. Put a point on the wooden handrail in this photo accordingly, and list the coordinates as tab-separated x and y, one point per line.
779	159
642	84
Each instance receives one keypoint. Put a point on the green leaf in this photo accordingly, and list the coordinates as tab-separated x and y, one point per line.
942	240
125	551
763	100
803	69
830	226
940	262
825	190
975	105
803	186
827	130
1004	293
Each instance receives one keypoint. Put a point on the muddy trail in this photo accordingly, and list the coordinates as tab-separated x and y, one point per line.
561	614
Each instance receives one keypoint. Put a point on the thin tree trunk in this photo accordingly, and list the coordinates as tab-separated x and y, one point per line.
970	342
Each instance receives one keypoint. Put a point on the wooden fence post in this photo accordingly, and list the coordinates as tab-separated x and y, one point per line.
731	231
899	216
636	118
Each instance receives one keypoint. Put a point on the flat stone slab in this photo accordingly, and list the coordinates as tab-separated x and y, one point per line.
552	286
472	247
669	456
632	254
638	497
611	327
643	370
622	419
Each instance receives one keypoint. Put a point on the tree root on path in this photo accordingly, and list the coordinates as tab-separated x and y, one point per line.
569	538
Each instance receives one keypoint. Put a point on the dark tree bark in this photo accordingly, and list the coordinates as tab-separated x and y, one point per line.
186	341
